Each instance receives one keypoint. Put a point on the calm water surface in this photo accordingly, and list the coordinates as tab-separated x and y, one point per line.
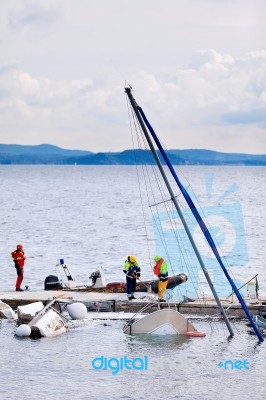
90	216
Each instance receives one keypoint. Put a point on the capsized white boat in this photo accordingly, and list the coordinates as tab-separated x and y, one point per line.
48	322
162	322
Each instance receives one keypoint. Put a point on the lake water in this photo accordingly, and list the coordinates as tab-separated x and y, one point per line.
91	216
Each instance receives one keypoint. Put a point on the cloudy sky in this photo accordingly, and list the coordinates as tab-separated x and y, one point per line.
197	67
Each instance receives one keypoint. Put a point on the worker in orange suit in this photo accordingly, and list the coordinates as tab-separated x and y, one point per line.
19	258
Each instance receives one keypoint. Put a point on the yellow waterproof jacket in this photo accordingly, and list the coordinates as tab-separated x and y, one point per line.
131	269
162	267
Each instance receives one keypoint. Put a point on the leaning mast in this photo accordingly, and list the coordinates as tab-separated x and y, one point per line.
143	123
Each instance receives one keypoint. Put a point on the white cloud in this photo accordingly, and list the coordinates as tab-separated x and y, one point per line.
210	57
32	14
66	64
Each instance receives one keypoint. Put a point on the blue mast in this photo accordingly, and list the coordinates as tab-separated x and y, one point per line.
196	214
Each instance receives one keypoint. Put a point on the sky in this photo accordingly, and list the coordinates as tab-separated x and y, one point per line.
197	68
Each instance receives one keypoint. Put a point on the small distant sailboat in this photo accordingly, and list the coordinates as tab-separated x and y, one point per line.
166	319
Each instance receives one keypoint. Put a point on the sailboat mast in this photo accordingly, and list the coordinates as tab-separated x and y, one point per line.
173	198
144	122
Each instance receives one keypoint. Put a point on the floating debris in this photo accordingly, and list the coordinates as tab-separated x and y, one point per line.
6	311
28	312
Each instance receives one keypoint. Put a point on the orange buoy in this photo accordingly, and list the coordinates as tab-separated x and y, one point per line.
196	334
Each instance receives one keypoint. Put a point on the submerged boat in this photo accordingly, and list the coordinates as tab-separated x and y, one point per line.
38	321
54	282
156	321
162	322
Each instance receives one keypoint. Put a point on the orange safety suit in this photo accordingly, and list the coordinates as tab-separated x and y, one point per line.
19	260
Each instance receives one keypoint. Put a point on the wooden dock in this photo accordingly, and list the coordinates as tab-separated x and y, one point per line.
119	302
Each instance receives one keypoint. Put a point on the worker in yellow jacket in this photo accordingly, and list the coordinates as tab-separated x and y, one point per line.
161	270
132	271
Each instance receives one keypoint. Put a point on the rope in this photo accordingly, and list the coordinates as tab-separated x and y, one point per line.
150	185
151	195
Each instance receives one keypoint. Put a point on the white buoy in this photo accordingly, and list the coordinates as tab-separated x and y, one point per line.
23	330
77	310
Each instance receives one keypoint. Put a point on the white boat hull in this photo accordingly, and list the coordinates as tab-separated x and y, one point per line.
161	322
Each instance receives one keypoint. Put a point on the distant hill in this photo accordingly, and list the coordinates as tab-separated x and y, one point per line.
48	154
127	157
38	154
210	157
39	149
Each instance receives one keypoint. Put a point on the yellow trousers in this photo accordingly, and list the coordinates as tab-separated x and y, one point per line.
162	288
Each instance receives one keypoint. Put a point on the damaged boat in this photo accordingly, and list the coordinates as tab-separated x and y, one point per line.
42	321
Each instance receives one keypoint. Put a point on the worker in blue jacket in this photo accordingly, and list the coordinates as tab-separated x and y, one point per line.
132	271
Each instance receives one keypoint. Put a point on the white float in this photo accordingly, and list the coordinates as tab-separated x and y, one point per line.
23	331
77	310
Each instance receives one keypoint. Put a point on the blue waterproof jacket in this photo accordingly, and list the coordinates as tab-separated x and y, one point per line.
131	269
